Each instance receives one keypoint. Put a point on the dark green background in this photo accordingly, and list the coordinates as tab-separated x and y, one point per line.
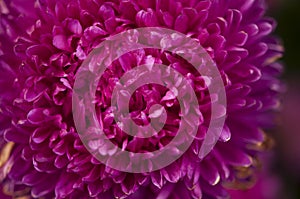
287	14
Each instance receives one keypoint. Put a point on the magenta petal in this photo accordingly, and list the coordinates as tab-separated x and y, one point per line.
157	179
40	135
13	135
93	175
61	161
181	23
44	188
236	157
65	185
172	173
61	42
225	135
32	178
210	173
73	26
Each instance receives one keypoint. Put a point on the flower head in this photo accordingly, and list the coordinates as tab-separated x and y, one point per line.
44	42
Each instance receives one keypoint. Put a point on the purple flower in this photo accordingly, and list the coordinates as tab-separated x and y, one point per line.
44	42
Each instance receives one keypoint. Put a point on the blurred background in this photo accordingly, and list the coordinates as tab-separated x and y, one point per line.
286	163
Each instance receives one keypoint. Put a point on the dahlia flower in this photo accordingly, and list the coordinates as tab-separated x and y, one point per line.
43	44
